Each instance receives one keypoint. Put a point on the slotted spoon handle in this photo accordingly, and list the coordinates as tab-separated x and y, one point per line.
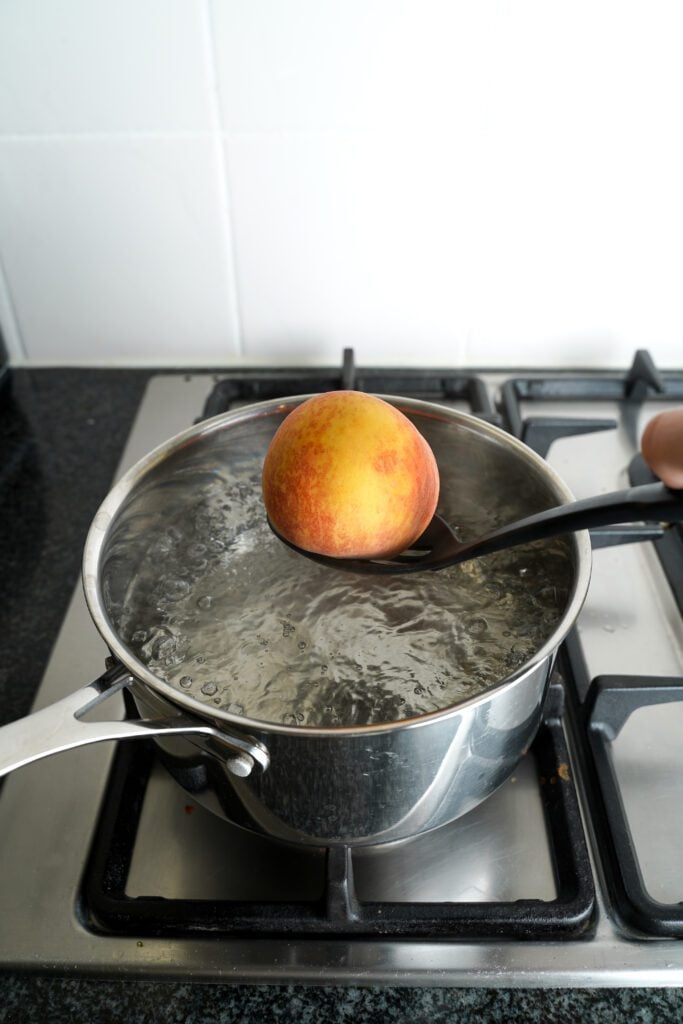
647	503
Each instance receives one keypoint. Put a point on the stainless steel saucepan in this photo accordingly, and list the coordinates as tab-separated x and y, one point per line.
358	784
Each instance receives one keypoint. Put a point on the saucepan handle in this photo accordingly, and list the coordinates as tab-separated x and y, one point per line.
61	727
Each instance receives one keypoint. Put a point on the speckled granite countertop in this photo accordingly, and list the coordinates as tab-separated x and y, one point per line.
140	1003
61	436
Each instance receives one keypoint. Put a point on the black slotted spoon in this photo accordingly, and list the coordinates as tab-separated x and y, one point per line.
438	547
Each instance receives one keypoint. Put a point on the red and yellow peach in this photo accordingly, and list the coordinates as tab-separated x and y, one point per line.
348	475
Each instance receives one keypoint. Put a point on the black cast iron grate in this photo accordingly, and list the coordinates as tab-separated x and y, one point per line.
642	381
669	546
609	702
433	385
106	908
339	912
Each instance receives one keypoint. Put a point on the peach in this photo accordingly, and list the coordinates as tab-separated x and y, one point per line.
348	475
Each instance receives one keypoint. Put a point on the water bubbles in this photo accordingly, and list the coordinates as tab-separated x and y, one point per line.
169	650
175	589
162	546
516	657
107	593
166	542
196	550
160	645
203	521
286	638
165	647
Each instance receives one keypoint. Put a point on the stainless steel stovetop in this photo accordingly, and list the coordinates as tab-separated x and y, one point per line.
501	851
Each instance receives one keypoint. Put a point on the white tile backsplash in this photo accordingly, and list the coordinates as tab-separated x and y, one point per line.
397	245
331	251
441	182
302	65
114	250
519	71
69	66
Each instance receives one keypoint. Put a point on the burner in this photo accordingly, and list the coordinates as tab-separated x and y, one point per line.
143	881
609	703
338	910
629	391
642	381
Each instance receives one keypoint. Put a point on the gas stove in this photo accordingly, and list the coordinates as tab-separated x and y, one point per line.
569	875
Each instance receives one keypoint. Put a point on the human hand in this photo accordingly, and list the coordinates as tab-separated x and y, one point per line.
662	447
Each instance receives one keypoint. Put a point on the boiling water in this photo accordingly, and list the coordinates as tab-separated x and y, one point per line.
225	612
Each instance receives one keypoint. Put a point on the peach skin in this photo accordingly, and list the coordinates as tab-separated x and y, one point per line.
348	475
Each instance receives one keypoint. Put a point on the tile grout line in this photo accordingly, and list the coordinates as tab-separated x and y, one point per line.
9	323
106	135
224	186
